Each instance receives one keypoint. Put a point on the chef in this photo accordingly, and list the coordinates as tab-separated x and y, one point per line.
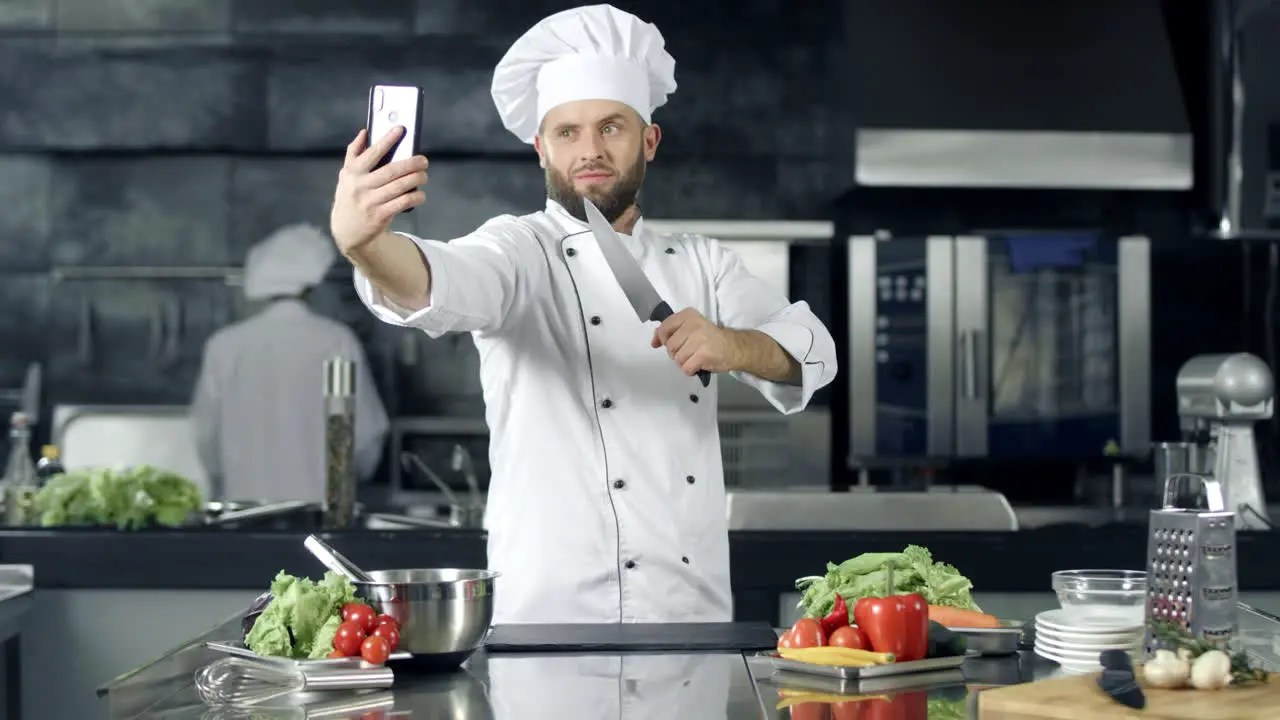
257	410
606	501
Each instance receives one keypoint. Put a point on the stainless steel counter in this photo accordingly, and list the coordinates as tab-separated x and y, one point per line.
15	605
705	685
15	581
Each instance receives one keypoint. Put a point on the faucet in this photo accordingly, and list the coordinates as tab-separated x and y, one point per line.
408	459
463	463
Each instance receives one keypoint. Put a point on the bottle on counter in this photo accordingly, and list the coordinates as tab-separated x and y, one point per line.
20	483
49	464
339	461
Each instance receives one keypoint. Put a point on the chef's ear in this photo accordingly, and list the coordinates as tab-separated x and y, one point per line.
652	136
542	155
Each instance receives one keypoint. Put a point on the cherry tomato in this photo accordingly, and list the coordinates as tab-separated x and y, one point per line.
787	639
375	650
336	654
388	632
385	619
360	614
807	632
849	636
348	639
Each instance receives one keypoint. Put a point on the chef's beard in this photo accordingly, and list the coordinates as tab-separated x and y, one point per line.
611	202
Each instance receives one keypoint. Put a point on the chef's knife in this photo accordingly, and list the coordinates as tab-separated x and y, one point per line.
644	299
1118	681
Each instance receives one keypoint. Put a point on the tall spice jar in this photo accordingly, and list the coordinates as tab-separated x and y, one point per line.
19	483
339	464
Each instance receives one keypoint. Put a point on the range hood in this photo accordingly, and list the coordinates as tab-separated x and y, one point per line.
1015	94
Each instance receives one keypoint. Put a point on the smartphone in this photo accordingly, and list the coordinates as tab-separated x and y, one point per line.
392	105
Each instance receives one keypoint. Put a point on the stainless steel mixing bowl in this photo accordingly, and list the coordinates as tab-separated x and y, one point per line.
444	613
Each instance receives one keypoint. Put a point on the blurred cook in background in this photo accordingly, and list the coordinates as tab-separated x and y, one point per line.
257	411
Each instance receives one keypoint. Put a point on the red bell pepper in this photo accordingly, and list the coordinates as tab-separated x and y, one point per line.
903	706
837	618
897	624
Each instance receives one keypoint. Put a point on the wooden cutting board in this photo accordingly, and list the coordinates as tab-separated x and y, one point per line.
1078	697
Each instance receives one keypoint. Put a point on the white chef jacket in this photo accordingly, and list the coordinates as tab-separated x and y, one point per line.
606	500
258	408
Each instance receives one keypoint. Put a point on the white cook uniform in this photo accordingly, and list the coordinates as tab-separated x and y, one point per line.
606	499
257	411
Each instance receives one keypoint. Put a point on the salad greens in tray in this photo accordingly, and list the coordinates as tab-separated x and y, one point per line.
306	620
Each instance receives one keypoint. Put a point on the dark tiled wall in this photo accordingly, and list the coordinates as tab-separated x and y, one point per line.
176	133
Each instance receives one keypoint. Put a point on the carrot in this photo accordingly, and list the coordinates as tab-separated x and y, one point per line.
960	618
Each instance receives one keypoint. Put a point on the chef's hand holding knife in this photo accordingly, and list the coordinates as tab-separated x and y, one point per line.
367	199
695	343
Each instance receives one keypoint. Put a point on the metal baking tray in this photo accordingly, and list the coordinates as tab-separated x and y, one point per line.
1003	640
997	670
238	648
792	680
867	671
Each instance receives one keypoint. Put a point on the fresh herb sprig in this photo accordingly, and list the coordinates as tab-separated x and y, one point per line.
1242	670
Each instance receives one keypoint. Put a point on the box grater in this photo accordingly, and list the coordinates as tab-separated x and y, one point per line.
1191	565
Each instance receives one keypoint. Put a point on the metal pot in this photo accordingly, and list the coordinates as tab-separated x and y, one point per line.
444	613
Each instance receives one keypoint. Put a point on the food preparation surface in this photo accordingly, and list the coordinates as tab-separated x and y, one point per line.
1072	698
711	684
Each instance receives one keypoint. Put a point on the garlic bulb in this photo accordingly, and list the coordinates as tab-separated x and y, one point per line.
1211	671
1167	670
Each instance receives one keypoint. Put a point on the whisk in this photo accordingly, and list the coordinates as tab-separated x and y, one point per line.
375	704
239	681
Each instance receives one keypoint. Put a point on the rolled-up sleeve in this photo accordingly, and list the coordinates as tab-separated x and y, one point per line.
745	302
477	281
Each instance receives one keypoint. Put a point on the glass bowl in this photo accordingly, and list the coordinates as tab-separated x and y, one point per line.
1103	596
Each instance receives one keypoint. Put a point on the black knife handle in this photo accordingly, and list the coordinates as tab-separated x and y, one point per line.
662	312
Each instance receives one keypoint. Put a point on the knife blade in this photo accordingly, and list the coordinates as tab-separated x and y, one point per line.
644	299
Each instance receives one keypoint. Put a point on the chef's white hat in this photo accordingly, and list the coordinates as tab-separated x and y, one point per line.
596	52
288	261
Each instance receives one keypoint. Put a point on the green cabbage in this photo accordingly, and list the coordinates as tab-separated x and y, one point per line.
867	575
128	498
302	617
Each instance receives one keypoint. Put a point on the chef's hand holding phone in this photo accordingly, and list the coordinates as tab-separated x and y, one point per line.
384	169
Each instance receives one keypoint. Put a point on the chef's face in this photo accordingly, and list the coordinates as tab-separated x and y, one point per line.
597	149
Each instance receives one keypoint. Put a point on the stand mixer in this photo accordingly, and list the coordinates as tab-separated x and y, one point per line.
1220	397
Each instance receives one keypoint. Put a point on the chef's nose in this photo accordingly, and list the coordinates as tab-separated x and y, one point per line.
593	147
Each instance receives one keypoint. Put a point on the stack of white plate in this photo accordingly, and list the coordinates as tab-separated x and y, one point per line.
1075	642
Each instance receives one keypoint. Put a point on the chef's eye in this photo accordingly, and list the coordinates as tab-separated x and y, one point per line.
610	129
